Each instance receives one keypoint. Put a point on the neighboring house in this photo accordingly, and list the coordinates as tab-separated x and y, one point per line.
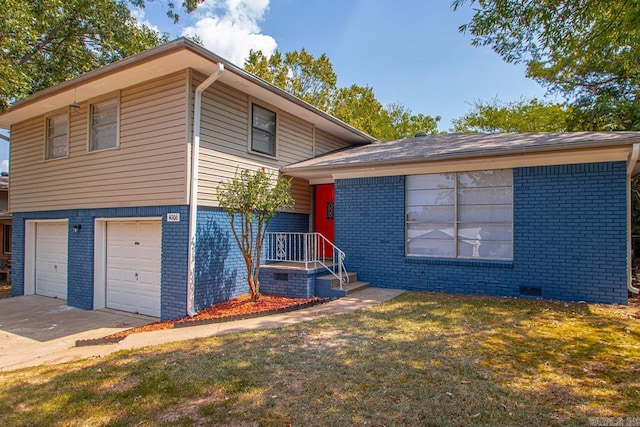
5	229
103	167
537	215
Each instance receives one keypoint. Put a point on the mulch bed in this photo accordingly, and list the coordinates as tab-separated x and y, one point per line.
236	309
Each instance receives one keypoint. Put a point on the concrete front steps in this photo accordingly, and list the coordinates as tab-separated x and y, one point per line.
328	286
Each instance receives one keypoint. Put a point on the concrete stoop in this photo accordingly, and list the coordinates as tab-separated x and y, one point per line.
328	286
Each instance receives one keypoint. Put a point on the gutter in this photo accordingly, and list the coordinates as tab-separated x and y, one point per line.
193	188
630	166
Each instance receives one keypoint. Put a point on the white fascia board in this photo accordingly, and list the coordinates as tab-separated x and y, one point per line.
466	164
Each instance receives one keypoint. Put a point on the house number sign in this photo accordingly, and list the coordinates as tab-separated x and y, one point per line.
173	217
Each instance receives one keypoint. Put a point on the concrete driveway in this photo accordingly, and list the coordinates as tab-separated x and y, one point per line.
34	327
37	330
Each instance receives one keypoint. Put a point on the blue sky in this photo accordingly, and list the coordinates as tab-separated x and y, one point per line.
409	51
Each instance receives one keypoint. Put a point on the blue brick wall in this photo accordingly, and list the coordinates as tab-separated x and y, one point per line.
80	265
569	237
220	269
295	283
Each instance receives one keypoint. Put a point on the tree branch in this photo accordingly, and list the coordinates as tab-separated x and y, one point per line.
43	43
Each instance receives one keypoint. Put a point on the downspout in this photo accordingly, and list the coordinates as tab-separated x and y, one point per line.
193	189
630	166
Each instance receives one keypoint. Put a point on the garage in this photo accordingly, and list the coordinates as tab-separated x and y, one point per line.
51	259
133	252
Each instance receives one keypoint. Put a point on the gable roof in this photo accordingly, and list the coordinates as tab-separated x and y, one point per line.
438	148
167	59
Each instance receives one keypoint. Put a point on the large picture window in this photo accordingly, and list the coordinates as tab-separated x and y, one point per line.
460	215
57	136
103	119
263	131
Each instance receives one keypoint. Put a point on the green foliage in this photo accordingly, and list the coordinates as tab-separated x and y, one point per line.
298	72
314	81
252	200
187	5
584	49
45	42
518	116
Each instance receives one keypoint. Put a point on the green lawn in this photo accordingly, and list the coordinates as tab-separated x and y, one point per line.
422	359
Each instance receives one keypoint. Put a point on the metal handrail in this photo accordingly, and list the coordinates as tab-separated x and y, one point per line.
308	249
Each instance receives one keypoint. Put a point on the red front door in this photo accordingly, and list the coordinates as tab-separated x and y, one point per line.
324	213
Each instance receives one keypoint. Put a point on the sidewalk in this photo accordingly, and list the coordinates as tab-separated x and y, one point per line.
30	352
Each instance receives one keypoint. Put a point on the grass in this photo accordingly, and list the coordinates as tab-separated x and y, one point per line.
421	359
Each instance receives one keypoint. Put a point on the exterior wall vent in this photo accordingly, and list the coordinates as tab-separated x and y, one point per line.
531	291
284	277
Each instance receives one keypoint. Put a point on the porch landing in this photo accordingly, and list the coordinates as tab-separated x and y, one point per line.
296	280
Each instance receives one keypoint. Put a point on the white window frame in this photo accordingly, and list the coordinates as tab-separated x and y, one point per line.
251	127
92	103
456	222
47	137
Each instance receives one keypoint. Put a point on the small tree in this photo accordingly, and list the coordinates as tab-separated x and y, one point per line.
251	200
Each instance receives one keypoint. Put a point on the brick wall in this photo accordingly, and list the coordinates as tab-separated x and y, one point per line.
80	266
569	237
220	269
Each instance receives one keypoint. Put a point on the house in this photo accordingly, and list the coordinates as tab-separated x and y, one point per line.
113	196
114	176
533	215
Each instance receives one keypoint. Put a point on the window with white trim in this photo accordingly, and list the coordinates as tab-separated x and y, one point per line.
460	215
103	124
57	143
263	130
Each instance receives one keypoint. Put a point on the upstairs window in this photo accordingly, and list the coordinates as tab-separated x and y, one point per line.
57	136
460	215
263	131
103	124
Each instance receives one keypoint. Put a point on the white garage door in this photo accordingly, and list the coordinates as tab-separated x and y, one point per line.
133	266
51	259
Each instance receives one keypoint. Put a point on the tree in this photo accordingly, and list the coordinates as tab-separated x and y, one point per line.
402	123
45	42
187	5
518	116
314	81
359	107
251	200
584	49
299	73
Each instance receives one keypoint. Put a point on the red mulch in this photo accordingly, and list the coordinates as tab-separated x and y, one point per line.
240	306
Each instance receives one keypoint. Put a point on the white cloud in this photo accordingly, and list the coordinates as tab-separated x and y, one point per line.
139	15
4	166
231	28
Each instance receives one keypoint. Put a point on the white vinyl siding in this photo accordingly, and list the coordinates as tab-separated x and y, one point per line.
460	215
148	169
57	139
325	142
225	130
103	129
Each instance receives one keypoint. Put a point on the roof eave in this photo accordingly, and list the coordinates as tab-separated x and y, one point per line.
357	136
333	169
